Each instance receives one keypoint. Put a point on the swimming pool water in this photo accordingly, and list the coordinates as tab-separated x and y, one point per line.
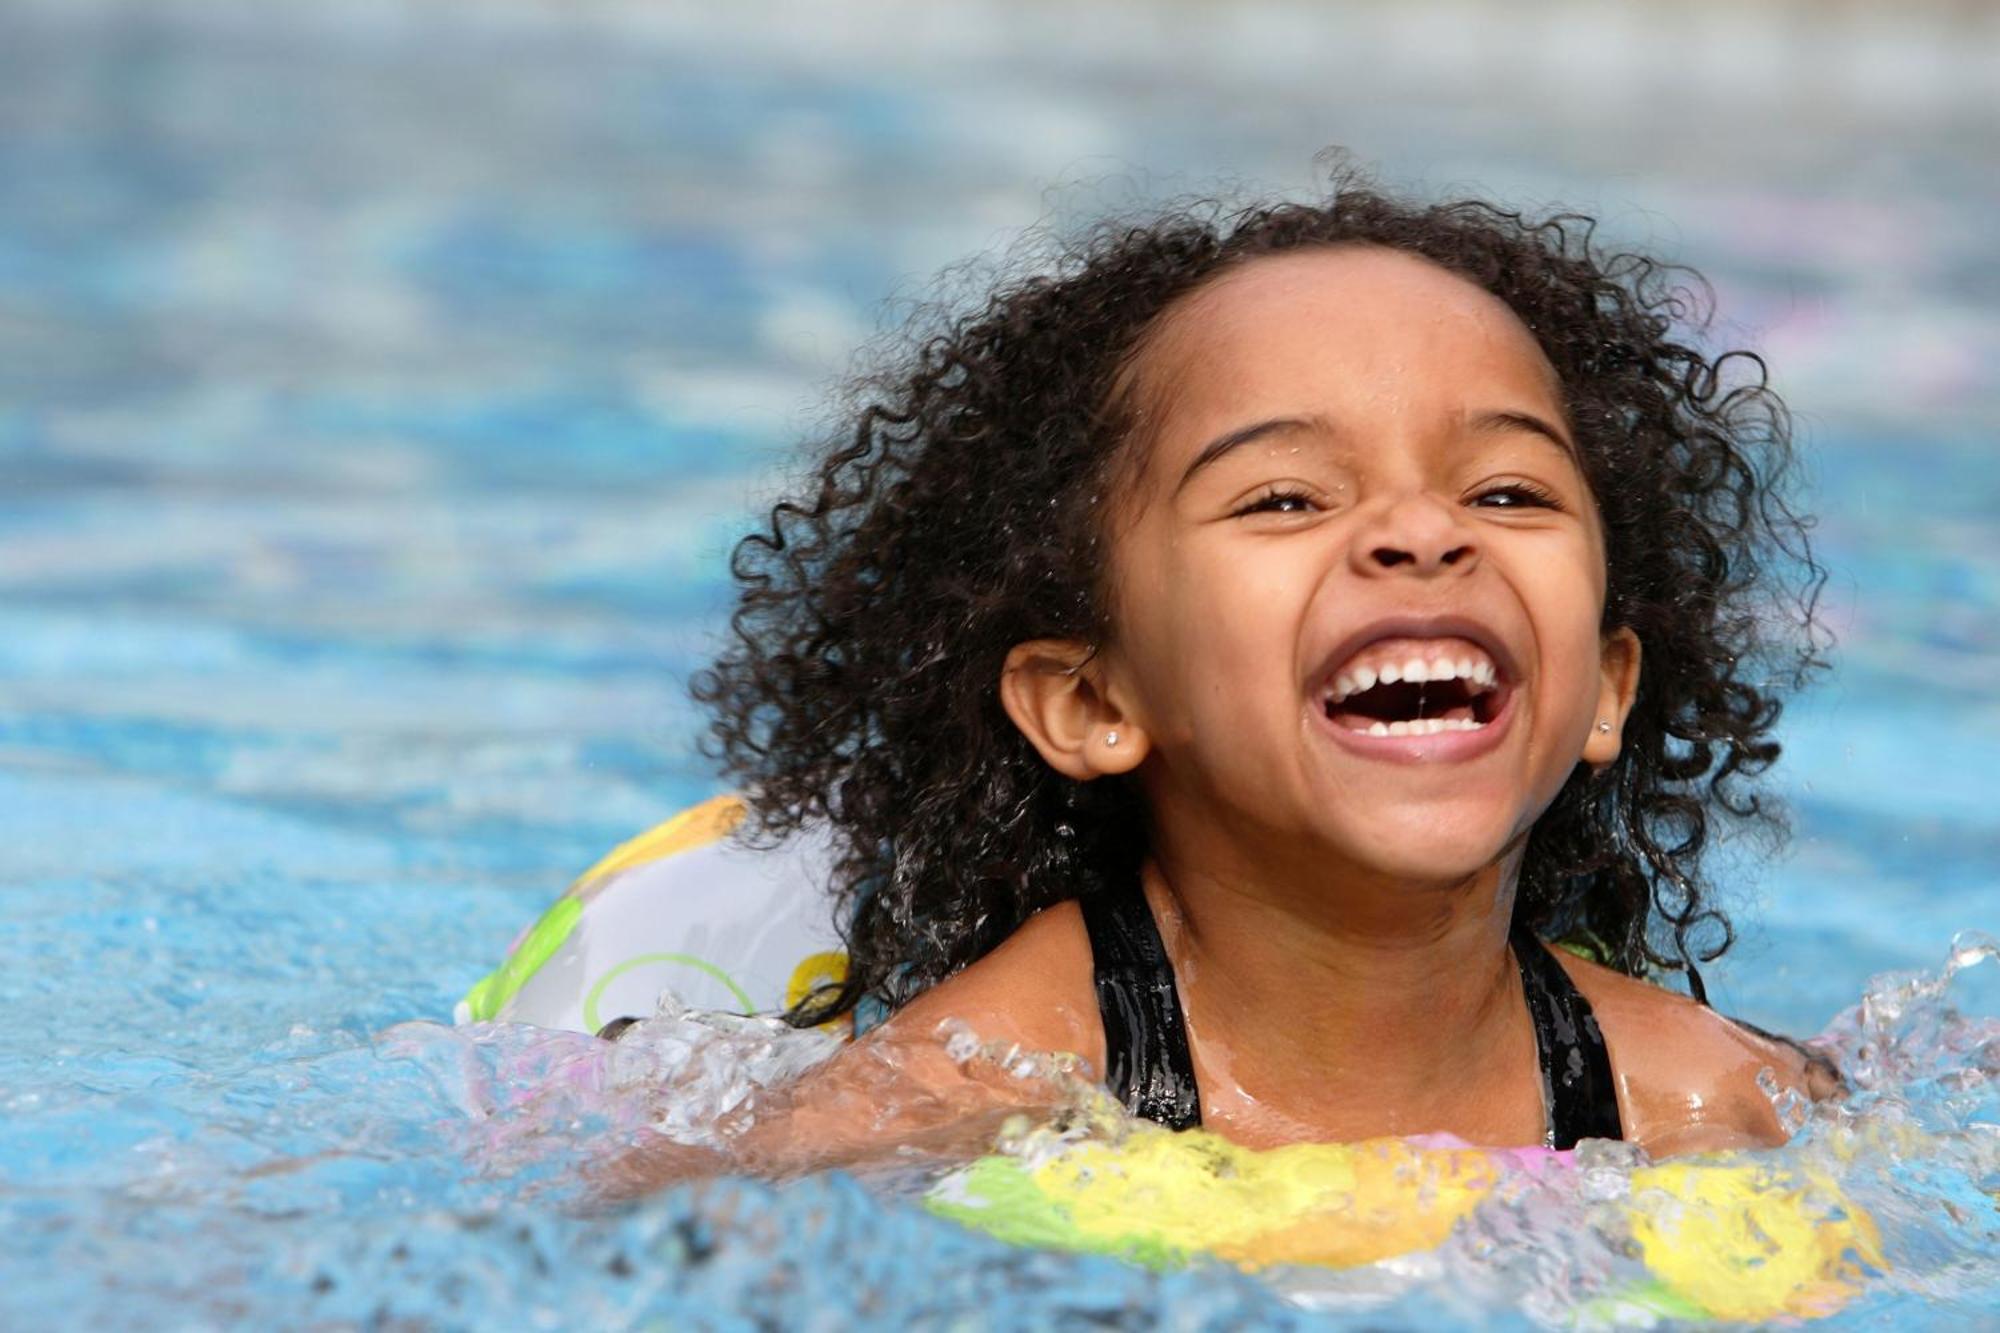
380	388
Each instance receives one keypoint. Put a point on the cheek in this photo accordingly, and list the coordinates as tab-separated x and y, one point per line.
1570	638
1215	644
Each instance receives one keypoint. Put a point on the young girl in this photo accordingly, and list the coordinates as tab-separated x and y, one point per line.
1233	653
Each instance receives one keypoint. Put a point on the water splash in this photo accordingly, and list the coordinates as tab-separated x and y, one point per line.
1909	1052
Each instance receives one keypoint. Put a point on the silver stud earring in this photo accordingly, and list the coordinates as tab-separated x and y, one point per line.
1111	738
1602	725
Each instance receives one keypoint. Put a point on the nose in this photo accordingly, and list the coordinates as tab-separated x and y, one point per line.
1415	533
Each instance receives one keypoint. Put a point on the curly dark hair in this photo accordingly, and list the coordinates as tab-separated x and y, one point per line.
956	514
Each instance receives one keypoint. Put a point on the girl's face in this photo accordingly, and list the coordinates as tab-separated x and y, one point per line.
1350	460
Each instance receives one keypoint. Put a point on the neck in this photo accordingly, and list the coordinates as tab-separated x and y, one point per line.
1293	984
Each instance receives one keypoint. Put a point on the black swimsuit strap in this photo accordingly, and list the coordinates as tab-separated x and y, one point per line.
1149	1069
1146	1060
1576	1069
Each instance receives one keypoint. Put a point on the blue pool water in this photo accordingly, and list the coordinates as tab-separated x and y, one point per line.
382	384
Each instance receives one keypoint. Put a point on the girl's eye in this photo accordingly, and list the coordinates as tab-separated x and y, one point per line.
1278	501
1527	496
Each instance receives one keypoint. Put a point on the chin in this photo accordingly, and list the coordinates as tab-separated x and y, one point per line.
1429	853
1438	873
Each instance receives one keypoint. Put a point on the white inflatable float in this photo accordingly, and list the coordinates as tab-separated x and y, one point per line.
680	908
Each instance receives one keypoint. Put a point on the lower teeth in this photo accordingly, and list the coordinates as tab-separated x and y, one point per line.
1429	726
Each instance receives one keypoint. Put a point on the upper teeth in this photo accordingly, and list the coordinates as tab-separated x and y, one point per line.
1479	672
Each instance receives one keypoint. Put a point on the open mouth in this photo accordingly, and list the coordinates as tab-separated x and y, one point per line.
1440	696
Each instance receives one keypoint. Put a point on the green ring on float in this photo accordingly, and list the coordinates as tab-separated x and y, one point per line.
596	992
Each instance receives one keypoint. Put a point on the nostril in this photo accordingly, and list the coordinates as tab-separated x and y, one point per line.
1389	557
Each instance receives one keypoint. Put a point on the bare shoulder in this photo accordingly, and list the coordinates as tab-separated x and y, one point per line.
899	1090
1687	1076
1035	989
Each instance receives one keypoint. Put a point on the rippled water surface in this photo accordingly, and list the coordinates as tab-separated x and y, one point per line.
380	387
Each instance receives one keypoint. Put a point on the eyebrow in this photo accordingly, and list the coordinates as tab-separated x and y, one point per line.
1483	423
1489	423
1222	444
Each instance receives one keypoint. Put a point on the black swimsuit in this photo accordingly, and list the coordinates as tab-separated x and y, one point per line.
1147	1065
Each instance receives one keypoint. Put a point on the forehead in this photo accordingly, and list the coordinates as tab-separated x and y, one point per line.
1349	331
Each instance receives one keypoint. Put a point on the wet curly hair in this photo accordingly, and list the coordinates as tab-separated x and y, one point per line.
955	512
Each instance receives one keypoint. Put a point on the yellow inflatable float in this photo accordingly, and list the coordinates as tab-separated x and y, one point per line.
1722	1237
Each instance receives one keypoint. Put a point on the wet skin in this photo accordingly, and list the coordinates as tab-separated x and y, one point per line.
1327	438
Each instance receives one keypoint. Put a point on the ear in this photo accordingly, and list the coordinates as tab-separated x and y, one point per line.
1054	689
1618	685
